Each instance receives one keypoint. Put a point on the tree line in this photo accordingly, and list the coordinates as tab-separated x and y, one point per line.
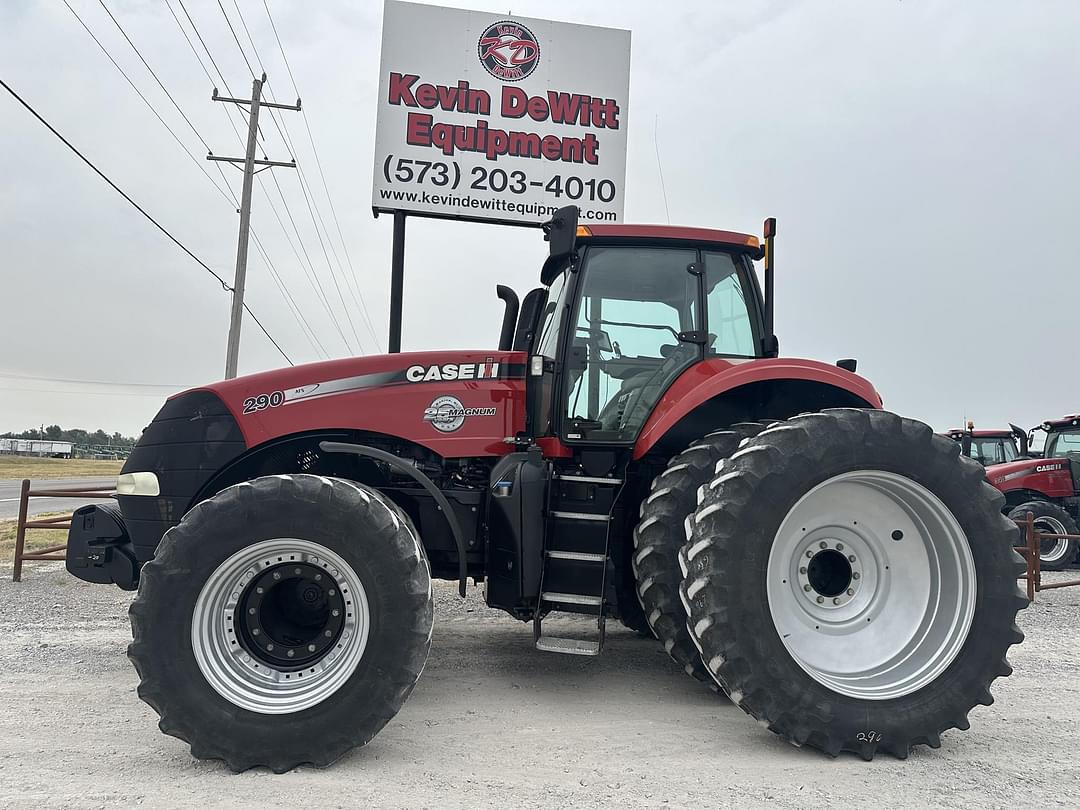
78	436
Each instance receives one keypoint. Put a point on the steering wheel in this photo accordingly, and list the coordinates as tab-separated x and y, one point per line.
614	414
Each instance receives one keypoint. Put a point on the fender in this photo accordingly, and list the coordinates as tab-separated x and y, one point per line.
710	379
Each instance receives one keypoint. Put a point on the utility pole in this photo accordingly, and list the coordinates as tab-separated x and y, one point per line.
249	163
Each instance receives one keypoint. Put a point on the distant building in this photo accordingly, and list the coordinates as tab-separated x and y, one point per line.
36	447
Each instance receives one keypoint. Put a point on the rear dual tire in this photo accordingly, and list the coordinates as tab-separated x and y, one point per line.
907	649
283	621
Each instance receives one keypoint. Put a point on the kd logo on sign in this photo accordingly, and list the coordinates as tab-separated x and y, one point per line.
509	51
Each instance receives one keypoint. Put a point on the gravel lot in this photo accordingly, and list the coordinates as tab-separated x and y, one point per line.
494	723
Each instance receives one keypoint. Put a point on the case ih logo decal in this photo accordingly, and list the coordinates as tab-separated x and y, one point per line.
447	414
508	51
1049	467
453	371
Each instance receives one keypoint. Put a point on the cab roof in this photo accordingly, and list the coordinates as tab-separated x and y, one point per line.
957	433
1066	421
669	232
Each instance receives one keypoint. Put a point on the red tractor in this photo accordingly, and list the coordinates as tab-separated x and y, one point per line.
991	446
633	449
1048	487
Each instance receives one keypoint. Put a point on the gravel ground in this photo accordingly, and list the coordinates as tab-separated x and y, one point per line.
493	723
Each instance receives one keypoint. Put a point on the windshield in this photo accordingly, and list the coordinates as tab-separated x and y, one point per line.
1063	443
993	450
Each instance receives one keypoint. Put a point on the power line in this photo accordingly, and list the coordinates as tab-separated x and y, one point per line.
145	101
322	174
262	249
235	37
138	208
156	79
18	376
282	129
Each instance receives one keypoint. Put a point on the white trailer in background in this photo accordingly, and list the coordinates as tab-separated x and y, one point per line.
36	447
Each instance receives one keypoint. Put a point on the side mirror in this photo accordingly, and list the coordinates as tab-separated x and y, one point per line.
561	235
603	342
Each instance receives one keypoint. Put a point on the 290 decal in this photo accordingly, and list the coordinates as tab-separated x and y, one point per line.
260	402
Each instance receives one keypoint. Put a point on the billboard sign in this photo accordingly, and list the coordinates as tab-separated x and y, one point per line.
499	118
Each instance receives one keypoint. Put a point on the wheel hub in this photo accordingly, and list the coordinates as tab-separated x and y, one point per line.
290	615
830	575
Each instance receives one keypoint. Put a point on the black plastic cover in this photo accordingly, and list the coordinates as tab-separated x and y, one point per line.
515	545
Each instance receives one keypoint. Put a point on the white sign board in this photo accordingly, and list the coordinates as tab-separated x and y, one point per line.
499	118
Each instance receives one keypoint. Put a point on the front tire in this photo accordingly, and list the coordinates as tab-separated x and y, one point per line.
283	621
1054	555
850	582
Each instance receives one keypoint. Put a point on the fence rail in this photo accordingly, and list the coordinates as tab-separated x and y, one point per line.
1032	537
57	553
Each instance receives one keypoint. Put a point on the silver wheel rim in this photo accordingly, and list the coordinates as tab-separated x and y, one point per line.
907	606
1051	553
242	678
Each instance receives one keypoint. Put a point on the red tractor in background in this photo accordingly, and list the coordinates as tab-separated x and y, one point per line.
1047	486
996	446
634	448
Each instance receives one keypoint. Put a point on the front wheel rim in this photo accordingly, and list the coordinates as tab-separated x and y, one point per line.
871	585
262	662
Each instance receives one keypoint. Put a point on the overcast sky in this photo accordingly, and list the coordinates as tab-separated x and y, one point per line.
921	158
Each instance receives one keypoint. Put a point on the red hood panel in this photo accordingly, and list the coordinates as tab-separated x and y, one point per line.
1050	476
457	403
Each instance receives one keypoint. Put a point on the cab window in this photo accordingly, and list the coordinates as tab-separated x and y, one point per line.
624	349
731	332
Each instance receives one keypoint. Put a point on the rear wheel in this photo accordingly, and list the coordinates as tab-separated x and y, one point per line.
1058	554
850	581
660	533
283	621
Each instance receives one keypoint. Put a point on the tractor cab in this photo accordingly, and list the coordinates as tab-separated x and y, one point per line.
990	447
1063	442
628	309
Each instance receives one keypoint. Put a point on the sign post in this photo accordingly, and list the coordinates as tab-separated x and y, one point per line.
493	118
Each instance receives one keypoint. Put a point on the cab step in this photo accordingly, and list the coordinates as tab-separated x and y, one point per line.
568	646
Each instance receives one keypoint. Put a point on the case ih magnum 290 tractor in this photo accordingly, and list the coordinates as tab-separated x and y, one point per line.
634	449
1048	487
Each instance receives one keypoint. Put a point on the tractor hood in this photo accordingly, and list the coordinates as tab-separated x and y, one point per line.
456	403
1050	476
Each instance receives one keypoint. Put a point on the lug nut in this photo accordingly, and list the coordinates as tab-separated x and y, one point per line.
291	653
277	575
836	600
335	612
251	611
328	634
269	647
839	546
850	591
856	575
258	590
820	599
822	544
802	570
851	558
332	592
311	648
897	535
809	554
318	577
255	631
806	587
